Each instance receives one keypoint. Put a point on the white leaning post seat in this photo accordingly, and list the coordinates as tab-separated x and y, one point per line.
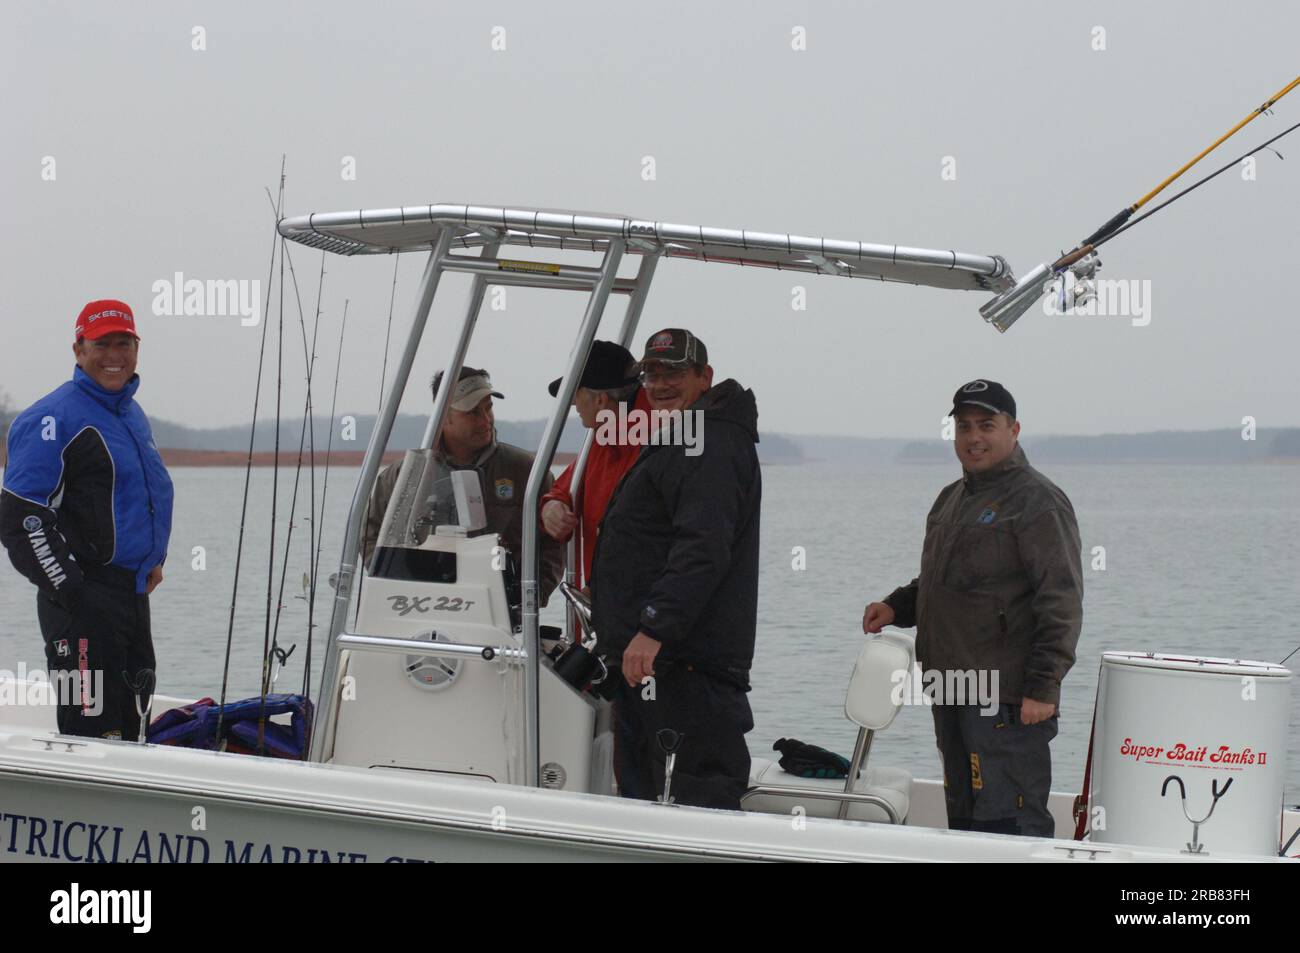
871	702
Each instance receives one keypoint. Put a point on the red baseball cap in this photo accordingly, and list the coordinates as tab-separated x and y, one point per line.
105	317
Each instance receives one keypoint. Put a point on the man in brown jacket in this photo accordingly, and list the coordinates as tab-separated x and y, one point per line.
469	442
999	601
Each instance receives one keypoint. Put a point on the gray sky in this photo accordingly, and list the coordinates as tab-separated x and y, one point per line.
162	153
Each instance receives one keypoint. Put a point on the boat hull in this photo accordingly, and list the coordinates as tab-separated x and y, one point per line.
78	800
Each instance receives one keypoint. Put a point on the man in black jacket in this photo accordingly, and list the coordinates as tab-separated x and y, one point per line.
675	580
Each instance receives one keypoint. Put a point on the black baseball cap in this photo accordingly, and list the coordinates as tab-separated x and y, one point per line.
675	346
608	367
987	394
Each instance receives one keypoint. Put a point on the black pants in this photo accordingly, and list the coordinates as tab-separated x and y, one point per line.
91	653
712	715
997	772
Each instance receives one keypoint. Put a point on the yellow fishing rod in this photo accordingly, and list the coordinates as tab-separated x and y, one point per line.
1006	308
1112	227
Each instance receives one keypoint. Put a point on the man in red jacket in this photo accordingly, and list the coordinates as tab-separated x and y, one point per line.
607	381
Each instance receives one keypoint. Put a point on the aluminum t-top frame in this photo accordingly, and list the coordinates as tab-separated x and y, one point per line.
442	228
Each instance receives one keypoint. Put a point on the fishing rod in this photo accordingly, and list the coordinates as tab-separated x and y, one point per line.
248	466
313	536
309	364
1092	245
392	297
388	334
275	494
1004	310
1119	219
315	569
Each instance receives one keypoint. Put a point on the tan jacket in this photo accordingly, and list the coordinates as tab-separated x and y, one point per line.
503	472
1001	582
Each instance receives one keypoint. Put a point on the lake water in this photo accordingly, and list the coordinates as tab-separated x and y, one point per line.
1200	560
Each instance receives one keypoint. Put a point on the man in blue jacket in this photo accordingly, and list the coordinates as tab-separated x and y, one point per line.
85	513
675	581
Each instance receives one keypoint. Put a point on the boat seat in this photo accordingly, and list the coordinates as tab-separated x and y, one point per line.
891	785
870	793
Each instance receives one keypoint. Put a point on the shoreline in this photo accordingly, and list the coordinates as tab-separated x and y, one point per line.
173	457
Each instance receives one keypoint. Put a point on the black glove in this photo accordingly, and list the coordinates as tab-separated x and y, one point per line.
809	761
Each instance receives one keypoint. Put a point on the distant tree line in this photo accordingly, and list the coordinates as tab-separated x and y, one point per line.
1163	446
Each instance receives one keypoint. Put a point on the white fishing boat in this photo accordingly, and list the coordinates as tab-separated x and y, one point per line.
448	733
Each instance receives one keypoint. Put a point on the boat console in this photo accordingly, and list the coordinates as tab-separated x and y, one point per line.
430	679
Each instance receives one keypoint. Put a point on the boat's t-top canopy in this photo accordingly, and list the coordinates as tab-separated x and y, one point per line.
446	231
417	227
